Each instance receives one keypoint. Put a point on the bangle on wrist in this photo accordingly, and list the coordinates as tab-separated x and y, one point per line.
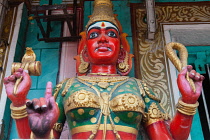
18	112
186	109
51	136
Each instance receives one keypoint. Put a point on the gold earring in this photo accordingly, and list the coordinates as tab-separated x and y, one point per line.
124	66
83	67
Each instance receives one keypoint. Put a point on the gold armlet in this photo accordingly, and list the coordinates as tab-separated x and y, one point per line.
58	127
18	112
154	115
51	136
186	109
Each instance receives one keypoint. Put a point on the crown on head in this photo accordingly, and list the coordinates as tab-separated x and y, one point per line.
103	11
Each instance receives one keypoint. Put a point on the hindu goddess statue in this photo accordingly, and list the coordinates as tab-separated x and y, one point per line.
102	102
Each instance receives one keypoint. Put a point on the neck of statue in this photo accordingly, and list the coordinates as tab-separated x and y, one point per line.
109	69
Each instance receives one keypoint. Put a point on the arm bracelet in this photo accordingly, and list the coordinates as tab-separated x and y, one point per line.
186	109
18	112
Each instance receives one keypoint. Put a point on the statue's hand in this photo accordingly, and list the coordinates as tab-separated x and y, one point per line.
18	98
42	113
188	95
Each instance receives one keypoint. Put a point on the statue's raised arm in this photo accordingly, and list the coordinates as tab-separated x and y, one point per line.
102	102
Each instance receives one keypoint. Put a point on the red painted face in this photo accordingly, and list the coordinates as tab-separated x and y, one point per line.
103	44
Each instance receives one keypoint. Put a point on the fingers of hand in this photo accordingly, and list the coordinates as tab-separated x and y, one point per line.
189	67
183	71
6	80
53	104
48	92
36	104
192	74
28	103
12	78
43	104
196	76
20	70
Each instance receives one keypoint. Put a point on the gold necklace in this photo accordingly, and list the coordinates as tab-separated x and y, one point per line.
103	74
102	78
102	81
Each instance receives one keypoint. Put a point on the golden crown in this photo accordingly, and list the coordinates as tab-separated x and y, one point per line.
103	11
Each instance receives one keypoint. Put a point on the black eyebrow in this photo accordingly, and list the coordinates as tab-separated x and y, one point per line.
95	28
111	28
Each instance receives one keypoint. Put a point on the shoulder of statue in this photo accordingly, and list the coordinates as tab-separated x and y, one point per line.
145	91
62	85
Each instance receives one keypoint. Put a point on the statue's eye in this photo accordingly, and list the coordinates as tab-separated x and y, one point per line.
112	34
93	35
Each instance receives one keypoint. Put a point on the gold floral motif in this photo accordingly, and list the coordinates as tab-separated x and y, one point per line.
98	99
82	98
150	53
127	102
154	114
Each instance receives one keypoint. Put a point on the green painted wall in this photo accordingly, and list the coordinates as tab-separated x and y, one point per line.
47	53
8	121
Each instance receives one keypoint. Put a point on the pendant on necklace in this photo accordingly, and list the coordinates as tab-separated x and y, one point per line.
103	84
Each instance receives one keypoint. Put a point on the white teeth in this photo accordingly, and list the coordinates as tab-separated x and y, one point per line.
109	49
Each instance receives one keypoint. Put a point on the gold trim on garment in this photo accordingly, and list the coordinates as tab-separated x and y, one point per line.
139	83
102	78
154	115
67	86
87	128
102	81
82	98
149	94
127	102
58	87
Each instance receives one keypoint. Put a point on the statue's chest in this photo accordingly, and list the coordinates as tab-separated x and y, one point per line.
102	102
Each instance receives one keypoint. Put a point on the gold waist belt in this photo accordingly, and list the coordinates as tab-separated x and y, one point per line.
87	128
